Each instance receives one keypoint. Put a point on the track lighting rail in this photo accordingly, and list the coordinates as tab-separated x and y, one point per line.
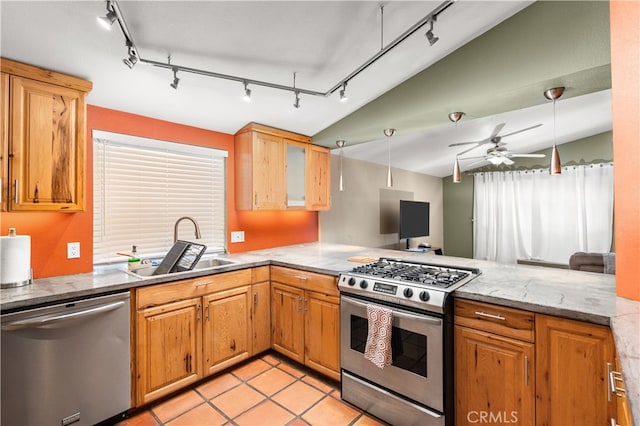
112	6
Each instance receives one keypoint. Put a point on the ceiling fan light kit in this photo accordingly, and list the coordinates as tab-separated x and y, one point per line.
114	14
455	117
555	168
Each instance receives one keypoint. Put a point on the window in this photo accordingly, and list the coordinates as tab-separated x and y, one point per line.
534	215
142	186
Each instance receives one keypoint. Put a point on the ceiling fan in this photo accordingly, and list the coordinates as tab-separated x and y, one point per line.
498	153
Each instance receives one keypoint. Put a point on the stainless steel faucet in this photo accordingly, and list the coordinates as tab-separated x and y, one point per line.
195	225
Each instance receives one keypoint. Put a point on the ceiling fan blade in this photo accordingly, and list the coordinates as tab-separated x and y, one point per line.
527	156
472	158
521	130
507	160
465	143
497	130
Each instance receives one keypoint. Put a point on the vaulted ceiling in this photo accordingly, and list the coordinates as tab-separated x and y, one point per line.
493	61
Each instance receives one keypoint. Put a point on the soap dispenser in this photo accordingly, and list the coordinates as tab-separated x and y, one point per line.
134	259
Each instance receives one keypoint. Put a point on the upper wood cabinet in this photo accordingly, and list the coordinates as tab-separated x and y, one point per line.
280	170
4	140
44	139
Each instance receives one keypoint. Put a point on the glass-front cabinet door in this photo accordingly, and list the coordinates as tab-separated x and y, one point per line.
296	158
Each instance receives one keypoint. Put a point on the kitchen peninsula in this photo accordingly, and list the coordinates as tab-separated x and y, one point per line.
567	294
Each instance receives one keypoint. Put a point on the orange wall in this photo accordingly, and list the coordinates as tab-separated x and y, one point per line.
625	76
50	232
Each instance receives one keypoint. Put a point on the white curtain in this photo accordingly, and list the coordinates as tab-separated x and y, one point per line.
534	215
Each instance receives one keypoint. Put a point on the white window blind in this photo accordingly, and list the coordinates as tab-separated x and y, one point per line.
142	186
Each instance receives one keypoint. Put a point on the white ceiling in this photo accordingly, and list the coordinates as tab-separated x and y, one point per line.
321	41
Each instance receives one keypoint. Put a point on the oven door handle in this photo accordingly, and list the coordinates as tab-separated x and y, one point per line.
399	314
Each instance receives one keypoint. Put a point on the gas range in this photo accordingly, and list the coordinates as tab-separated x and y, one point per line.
421	285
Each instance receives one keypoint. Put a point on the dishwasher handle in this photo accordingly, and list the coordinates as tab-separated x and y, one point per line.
44	320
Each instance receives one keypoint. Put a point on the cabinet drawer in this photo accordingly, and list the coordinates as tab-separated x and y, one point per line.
260	274
178	290
305	280
496	319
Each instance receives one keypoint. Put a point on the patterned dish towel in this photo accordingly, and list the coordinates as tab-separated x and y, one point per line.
378	347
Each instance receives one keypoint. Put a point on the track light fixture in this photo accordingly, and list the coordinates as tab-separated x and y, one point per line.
340	144
176	80
107	21
132	60
247	93
115	14
296	104
430	37
343	94
555	168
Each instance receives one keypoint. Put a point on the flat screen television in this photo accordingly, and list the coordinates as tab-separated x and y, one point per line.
414	219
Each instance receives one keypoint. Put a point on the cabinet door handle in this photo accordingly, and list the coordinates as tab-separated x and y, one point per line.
299	303
305	304
187	363
613	388
255	299
302	278
15	191
484	314
1	191
199	313
207	313
526	370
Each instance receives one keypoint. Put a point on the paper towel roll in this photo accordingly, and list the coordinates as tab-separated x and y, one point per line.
15	260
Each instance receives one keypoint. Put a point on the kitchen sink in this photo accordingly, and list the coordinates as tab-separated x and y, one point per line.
209	263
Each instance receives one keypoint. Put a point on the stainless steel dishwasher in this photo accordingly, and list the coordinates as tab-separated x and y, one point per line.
67	364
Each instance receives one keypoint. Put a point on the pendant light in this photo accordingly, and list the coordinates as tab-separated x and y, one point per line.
340	144
388	133
457	176
555	168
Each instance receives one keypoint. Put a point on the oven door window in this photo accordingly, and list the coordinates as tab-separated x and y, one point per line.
409	349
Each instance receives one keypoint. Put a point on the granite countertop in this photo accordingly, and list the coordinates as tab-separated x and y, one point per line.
578	295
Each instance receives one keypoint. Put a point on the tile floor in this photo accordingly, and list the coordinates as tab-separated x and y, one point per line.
268	390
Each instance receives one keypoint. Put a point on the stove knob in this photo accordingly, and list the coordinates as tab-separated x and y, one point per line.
364	284
352	281
424	296
407	292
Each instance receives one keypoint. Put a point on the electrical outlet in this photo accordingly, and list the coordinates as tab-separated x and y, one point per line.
73	250
237	236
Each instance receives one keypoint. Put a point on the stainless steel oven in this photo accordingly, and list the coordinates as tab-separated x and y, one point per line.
417	387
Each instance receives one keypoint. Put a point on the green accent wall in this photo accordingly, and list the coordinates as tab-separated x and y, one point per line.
458	197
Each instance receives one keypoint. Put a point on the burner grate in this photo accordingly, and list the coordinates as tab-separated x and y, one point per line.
414	273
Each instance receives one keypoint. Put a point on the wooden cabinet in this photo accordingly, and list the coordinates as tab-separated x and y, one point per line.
525	368
278	170
322	333
227	328
4	140
318	181
571	372
188	329
305	318
494	364
168	348
261	310
46	134
287	320
619	396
